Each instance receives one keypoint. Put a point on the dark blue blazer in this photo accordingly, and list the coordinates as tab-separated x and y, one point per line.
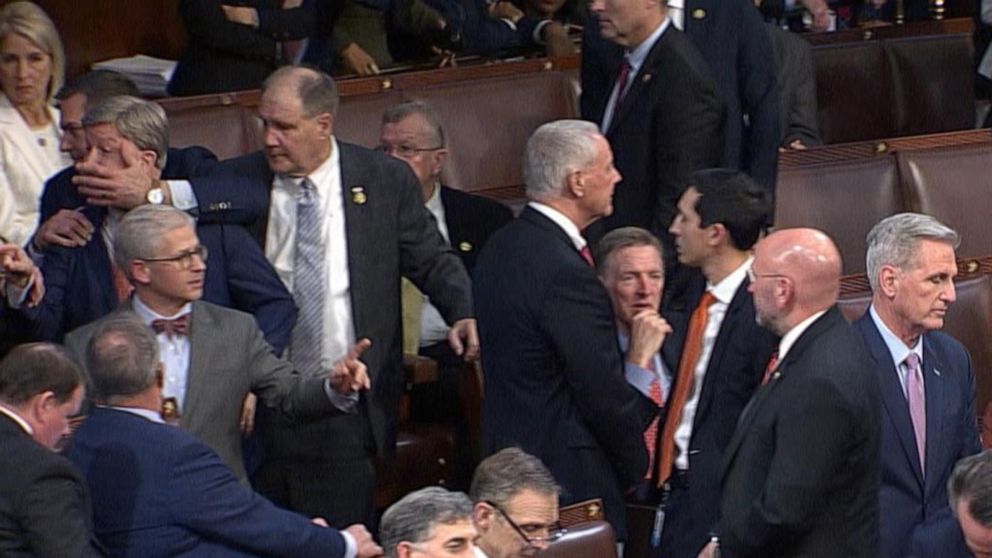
471	220
914	506
737	362
554	378
159	492
79	284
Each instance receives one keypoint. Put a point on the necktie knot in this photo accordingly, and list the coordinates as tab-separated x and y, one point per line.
912	362
176	326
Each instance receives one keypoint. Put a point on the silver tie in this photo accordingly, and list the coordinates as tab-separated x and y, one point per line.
309	283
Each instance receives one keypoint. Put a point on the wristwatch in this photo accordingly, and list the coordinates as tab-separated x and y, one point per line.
155	196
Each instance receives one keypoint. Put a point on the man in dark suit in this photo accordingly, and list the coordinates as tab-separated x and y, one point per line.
373	229
160	254
970	494
554	378
663	116
796	77
928	386
412	133
800	474
721	216
44	505
129	132
158	491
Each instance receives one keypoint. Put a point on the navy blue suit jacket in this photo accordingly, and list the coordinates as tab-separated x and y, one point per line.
159	492
554	378
79	281
471	220
914	507
737	362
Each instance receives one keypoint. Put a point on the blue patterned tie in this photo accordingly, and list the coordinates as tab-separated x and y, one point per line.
309	282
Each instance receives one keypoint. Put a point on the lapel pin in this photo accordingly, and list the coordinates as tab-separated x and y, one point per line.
465	246
358	195
699	13
646	78
936	372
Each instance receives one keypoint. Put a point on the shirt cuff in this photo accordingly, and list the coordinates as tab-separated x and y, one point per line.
639	378
350	546
344	403
182	194
538	29
15	295
509	22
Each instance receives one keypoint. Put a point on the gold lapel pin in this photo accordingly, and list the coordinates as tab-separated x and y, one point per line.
646	78
465	246
358	195
698	13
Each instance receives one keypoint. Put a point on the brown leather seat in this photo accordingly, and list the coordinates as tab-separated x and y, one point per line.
854	92
359	116
953	185
845	199
587	540
225	129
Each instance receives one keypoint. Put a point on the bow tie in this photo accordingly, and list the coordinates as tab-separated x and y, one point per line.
177	326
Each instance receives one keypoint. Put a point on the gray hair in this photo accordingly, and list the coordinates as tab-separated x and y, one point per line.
895	239
506	473
412	519
30	21
398	112
971	482
316	90
618	239
143	122
122	357
140	231
554	151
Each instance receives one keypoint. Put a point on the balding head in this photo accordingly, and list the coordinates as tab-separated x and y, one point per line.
796	273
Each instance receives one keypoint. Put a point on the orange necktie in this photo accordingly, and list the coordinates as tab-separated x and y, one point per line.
651	434
683	385
122	287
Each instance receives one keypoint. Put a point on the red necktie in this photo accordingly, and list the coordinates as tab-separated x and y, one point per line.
122	287
586	254
177	326
623	74
772	365
683	384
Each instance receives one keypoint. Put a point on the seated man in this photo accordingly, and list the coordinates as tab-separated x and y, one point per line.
516	505
44	506
129	132
158	491
970	494
430	521
212	356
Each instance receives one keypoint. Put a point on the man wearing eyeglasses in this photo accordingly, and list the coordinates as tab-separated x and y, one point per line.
516	505
212	356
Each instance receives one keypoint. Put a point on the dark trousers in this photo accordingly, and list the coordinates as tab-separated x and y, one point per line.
681	536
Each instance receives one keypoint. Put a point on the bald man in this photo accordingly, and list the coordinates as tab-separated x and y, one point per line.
801	471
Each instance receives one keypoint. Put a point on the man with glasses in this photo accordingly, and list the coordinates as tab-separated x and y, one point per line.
516	505
84	284
212	356
431	522
801	469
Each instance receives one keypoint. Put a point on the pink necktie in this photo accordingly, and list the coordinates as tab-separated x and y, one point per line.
586	254
917	398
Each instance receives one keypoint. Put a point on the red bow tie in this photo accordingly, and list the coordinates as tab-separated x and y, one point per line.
177	326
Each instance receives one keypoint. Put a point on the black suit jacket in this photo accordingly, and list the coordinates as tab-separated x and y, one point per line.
801	472
389	234
737	362
670	123
554	378
796	86
44	505
471	221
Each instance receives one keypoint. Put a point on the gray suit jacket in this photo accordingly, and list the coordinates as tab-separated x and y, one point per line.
228	359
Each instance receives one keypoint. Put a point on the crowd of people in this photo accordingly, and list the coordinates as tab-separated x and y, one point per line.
644	338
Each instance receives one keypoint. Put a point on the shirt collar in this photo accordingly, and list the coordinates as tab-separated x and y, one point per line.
17	418
897	348
320	177
637	56
562	221
143	413
148	315
433	203
725	290
790	338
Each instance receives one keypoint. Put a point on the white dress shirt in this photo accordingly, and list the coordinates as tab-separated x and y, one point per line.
280	248
17	418
173	351
563	222
433	328
898	350
636	59
790	338
723	292
676	11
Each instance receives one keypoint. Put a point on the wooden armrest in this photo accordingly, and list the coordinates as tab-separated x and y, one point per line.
419	369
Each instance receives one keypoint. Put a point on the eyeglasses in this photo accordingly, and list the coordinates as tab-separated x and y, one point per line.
184	259
752	275
406	151
527	532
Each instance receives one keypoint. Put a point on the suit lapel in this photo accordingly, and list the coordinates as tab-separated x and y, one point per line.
893	396
359	234
201	324
715	364
642	83
934	386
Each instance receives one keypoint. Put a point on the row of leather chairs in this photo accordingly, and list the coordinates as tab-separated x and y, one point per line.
846	196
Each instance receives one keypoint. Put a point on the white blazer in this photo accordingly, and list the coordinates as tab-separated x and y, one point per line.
24	168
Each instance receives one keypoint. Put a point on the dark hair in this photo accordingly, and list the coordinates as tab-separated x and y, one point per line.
35	368
99	85
971	482
734	200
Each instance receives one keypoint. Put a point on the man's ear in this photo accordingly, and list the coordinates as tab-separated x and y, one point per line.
482	516
139	272
149	157
888	280
325	123
575	184
403	549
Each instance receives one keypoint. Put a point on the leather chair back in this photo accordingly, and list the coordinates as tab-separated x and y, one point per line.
587	540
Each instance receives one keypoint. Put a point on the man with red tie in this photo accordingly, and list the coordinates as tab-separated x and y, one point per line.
554	377
717	352
212	356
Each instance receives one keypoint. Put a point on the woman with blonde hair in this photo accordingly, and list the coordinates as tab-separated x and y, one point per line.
32	67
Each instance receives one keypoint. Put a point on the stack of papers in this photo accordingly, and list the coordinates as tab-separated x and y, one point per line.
151	75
